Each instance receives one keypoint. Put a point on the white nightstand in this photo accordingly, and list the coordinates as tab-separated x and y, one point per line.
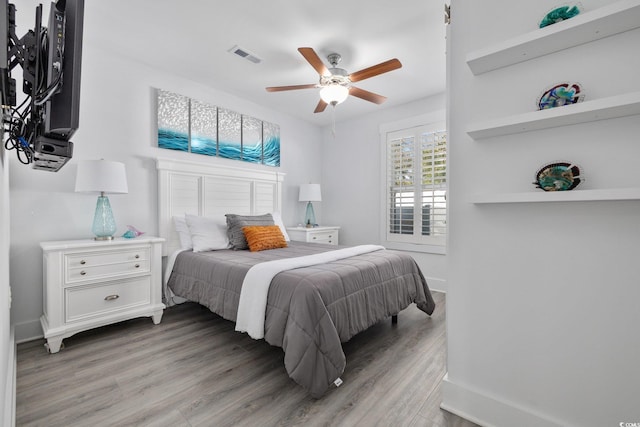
89	283
327	235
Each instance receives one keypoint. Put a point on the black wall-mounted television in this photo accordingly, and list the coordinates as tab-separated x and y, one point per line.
62	111
51	57
5	87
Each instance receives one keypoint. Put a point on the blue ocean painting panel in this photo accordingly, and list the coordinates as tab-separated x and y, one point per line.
229	134
271	144
204	128
173	140
173	121
251	139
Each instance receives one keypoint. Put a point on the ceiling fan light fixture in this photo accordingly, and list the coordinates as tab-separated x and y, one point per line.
334	94
335	83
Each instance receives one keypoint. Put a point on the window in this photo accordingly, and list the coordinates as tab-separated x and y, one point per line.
416	204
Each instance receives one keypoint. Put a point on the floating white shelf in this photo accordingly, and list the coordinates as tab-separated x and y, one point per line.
593	25
599	109
559	196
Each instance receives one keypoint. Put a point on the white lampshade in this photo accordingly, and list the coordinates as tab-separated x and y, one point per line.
334	93
96	176
310	193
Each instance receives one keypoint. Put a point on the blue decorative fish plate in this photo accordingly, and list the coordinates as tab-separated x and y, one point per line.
558	14
559	95
560	176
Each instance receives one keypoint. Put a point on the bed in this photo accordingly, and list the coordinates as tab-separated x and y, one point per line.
309	310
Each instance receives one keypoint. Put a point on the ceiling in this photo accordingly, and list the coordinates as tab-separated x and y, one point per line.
192	38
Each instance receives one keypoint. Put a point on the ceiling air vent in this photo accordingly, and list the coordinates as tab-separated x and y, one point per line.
244	53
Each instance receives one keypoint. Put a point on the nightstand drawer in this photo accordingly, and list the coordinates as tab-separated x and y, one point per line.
90	259
322	234
102	271
323	237
90	301
82	267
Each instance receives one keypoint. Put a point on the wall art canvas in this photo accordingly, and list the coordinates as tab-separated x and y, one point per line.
251	139
189	125
204	128
173	121
229	132
271	144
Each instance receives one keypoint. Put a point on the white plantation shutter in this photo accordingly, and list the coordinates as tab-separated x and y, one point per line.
416	203
401	184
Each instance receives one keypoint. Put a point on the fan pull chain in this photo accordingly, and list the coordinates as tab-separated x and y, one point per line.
333	121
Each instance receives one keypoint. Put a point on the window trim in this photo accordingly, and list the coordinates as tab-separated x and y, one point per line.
435	119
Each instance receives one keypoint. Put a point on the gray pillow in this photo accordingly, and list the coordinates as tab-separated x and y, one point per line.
236	222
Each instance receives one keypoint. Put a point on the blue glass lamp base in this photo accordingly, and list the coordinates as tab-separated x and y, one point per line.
104	224
310	216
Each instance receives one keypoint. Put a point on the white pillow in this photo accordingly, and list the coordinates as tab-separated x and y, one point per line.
207	234
182	229
277	220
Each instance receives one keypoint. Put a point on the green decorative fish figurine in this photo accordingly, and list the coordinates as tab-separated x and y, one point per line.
132	232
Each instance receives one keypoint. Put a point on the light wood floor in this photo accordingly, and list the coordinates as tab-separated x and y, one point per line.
193	369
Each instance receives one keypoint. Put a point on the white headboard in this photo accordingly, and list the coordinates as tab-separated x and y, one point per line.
212	190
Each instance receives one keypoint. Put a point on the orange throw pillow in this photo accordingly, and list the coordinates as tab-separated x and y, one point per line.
262	237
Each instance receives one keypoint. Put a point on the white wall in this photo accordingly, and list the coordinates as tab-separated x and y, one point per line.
118	122
351	177
542	310
7	345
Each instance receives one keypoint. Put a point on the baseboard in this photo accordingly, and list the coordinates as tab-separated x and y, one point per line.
28	331
10	391
489	411
436	284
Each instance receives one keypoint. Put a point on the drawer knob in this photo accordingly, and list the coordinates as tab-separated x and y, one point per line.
137	256
83	262
314	237
82	273
137	265
111	297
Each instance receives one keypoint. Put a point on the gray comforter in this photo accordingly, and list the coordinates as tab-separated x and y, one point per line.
310	310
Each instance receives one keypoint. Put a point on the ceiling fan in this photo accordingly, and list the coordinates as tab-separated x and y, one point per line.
335	83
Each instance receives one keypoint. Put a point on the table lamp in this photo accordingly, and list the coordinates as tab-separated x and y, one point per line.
102	176
310	193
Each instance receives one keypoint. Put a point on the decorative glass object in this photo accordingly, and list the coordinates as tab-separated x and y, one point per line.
132	232
559	95
104	224
559	14
559	176
310	193
310	216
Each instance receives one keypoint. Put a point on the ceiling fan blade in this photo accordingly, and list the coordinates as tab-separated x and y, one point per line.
366	95
320	107
294	87
383	67
312	58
